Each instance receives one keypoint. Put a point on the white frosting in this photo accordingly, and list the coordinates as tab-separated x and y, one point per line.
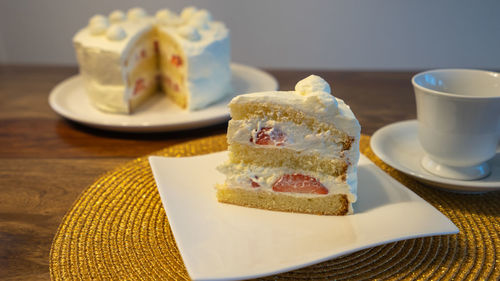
311	84
208	57
85	39
188	12
116	16
98	18
136	14
205	44
98	28
164	14
195	37
194	45
201	19
116	33
110	97
167	17
98	25
189	32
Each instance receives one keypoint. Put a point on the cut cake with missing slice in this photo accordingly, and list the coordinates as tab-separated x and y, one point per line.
294	151
124	59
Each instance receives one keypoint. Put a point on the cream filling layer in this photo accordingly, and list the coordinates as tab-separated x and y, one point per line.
242	176
298	138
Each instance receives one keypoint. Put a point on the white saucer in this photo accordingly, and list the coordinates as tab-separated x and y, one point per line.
397	145
158	114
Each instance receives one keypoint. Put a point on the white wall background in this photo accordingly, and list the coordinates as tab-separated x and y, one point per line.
325	34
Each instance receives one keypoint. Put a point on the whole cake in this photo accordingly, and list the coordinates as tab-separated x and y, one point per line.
294	151
125	58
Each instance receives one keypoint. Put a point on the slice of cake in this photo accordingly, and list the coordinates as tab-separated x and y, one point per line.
294	151
125	58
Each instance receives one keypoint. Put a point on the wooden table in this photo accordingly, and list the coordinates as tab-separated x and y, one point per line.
46	161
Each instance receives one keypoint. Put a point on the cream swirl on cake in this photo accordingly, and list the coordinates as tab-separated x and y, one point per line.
125	57
116	16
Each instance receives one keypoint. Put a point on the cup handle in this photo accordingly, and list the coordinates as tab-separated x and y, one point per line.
498	146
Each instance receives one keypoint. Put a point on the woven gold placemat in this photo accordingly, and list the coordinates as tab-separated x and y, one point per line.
118	230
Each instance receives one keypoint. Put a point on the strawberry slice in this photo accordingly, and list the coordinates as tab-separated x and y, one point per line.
156	47
299	183
139	86
254	184
167	80
176	60
270	136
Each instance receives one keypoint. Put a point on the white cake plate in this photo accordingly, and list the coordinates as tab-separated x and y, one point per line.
158	114
226	242
397	145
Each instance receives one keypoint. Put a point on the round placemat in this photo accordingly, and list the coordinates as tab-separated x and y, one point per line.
118	230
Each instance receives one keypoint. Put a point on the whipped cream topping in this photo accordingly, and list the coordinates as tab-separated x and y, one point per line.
98	25
167	17
201	19
164	14
116	33
311	84
194	28
136	13
189	32
98	28
188	12
116	16
98	18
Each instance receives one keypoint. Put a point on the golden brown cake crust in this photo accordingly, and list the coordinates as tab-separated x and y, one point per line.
333	204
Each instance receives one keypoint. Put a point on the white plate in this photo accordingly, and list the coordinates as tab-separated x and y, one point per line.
158	114
223	241
397	145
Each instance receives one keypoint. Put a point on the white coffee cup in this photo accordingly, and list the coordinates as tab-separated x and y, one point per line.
458	112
